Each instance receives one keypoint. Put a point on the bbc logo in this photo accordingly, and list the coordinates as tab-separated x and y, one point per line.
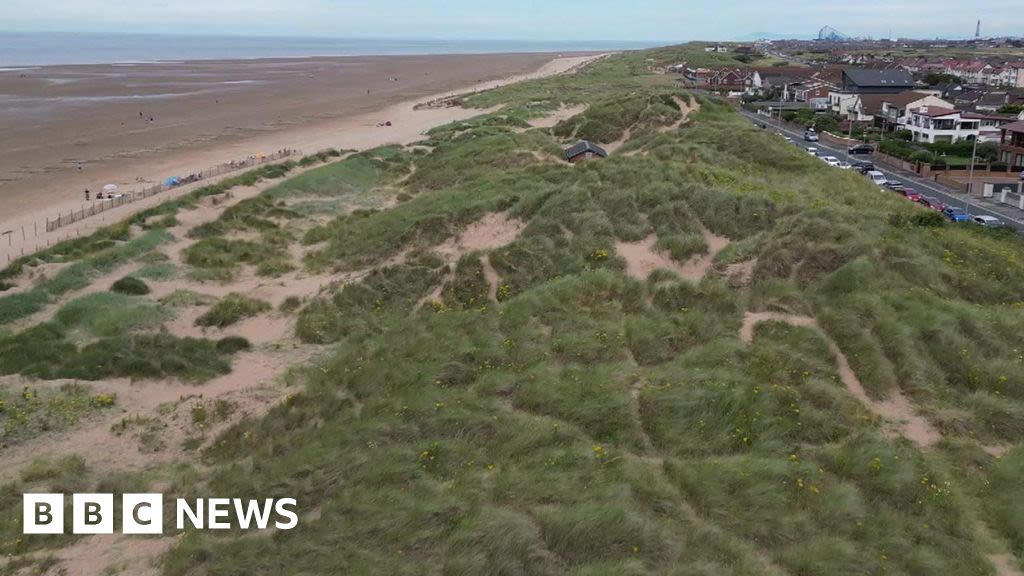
93	513
144	513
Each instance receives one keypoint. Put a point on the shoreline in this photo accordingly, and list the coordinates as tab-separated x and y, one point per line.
357	131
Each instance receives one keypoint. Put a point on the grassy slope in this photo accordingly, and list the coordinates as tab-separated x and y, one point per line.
593	424
503	439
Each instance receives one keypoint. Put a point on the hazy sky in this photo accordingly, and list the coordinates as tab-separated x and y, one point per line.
519	19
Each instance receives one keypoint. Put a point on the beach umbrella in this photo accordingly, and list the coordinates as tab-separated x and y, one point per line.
110	187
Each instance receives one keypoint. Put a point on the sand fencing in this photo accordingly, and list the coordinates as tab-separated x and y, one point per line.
102	205
30	236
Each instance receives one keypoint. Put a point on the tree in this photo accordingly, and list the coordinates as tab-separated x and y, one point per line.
906	135
1011	109
940	78
988	151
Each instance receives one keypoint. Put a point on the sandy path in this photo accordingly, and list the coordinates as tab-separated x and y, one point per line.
355	132
896	408
642	258
563	113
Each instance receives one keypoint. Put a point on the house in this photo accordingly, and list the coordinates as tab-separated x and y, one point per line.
1011	144
855	82
717	48
888	111
970	71
989	130
871	81
815	94
584	150
735	79
934	124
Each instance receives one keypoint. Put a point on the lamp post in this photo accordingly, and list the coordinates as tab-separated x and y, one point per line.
970	174
782	94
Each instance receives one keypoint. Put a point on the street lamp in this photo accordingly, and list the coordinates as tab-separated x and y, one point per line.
970	174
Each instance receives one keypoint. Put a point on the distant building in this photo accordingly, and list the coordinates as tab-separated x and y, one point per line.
584	150
1011	144
718	48
872	81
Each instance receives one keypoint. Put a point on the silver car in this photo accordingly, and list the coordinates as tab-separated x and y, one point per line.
987	221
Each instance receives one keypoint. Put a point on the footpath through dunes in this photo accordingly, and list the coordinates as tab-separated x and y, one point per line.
895	409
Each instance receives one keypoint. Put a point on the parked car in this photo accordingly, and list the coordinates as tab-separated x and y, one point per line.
863	167
876	177
912	195
845	165
933	203
956	214
988	221
861	149
830	160
812	151
810	135
894	184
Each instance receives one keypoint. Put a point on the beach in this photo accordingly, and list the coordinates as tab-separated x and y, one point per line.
72	128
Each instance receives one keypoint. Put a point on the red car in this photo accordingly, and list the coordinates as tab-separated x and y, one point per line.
911	195
933	203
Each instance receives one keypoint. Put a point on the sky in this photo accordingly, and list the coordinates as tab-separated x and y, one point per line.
649	20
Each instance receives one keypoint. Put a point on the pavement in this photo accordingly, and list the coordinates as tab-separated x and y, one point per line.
973	205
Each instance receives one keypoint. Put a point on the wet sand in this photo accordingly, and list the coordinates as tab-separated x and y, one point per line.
120	122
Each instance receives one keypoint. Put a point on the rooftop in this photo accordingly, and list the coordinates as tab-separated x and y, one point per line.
584	146
870	77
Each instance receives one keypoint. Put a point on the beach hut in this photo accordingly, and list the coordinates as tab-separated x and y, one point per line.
584	150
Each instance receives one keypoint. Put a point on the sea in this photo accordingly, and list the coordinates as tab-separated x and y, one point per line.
26	49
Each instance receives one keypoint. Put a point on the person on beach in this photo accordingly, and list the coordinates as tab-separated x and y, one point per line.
86	194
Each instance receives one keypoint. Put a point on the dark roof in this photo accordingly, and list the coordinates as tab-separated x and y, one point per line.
885	78
1017	126
872	103
582	147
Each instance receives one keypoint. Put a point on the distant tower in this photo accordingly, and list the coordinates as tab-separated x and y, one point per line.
977	30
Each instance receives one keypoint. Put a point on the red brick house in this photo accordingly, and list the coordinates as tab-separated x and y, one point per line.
1011	144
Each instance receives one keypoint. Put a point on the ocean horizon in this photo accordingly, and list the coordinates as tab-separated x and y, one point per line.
19	49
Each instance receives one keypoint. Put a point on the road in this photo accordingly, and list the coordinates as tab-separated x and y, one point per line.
927	187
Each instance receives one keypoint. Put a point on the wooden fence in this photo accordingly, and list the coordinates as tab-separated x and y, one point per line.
102	205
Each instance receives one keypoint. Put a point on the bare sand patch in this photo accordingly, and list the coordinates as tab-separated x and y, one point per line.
492	231
642	258
742	273
492	277
997	451
563	113
896	409
686	109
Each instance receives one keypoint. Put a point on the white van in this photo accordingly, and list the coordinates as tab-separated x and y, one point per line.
877	177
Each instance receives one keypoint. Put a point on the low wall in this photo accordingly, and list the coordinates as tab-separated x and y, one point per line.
894	162
839	140
949	182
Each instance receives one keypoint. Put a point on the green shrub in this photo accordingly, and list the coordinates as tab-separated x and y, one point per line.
232	345
231	309
130	285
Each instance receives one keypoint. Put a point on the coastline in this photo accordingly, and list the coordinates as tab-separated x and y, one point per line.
358	130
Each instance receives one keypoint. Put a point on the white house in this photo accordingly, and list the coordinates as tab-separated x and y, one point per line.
933	124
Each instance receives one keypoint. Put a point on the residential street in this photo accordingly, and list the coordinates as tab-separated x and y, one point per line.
975	206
